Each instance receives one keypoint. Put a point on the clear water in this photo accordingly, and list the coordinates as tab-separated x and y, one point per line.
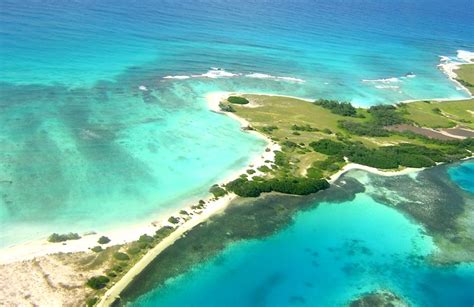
83	148
463	175
328	256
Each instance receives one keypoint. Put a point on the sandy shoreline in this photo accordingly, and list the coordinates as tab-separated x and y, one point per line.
38	248
213	207
354	166
113	293
41	247
449	67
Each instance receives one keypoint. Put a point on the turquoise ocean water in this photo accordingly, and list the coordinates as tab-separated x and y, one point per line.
103	123
103	118
330	254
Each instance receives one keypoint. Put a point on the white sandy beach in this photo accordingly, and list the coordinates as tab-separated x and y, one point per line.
213	206
37	248
449	67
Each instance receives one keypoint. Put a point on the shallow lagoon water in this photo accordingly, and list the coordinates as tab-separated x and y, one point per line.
83	148
327	256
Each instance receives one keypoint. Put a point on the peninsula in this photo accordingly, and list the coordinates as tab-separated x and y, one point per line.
310	144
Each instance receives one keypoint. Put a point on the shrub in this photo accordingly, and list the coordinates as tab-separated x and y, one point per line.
121	256
173	220
226	107
304	128
142	245
146	238
287	185
269	129
97	249
163	232
98	282
118	268
328	147
91	301
327	131
133	250
250	171
111	273
385	115
289	144
103	240
364	129
217	191
54	238
337	107
313	172
237	100
281	159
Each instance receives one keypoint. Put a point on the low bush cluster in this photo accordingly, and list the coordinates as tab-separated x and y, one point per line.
337	107
226	107
63	237
121	256
103	240
98	282
237	100
287	185
408	155
304	128
217	191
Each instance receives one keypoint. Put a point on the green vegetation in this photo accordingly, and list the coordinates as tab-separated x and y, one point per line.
55	238
289	185
121	256
389	157
381	116
337	107
237	100
226	107
318	139
466	76
163	232
173	220
217	191
91	301
97	249
98	282
133	250
103	240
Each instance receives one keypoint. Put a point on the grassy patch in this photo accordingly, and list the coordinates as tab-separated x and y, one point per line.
466	76
441	114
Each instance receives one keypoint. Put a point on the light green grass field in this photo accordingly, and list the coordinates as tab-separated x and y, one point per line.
450	114
466	73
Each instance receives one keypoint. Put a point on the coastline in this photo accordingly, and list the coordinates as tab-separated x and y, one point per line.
41	247
213	206
448	67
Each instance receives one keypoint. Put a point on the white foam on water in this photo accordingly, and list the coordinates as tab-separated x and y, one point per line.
276	78
142	88
466	56
386	80
390	87
215	73
177	77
